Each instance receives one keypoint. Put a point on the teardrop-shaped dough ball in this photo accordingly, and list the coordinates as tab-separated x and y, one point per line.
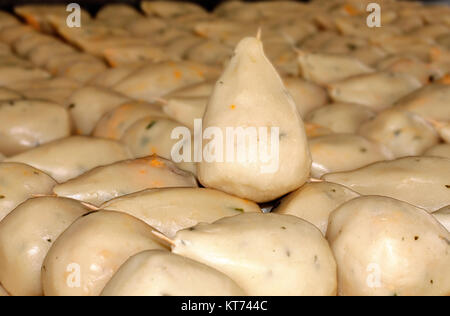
266	254
250	96
70	157
404	133
18	183
25	124
108	182
344	152
26	236
341	117
377	90
314	202
421	181
387	247
443	217
440	150
174	209
85	257
161	273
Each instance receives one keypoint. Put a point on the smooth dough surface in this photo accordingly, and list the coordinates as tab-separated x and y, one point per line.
161	273
121	178
18	183
70	157
173	209
266	254
387	247
314	202
34	225
85	257
421	181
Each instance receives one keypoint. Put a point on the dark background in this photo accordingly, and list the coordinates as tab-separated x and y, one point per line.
94	5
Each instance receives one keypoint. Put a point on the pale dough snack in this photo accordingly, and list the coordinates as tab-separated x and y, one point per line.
115	123
443	216
40	55
112	76
440	150
88	104
421	181
94	247
178	46
9	95
7	20
9	75
344	152
28	42
156	80
13	32
202	89
153	135
34	225
314	202
410	66
131	54
307	95
161	273
209	52
430	102
3	291
387	247
169	9
340	117
248	85
18	183
404	133
266	254
117	10
121	178
26	124
377	90
173	209
327	68
70	157
185	109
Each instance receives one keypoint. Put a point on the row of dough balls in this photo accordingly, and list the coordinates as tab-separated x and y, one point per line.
283	254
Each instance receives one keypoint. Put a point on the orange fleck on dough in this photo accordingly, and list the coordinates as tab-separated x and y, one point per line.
143	171
232	106
156	163
177	74
435	53
32	22
445	80
351	10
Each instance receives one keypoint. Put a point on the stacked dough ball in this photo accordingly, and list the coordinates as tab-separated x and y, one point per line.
91	202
